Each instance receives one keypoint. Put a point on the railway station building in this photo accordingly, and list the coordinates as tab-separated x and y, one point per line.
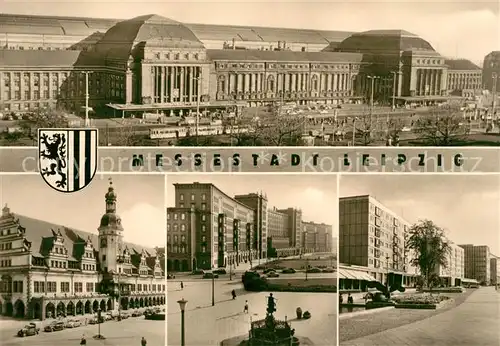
158	65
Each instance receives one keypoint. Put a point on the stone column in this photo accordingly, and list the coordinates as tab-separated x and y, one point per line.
128	87
171	79
444	80
191	81
161	84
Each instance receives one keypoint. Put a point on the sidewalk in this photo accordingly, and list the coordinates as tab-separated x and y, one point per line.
474	322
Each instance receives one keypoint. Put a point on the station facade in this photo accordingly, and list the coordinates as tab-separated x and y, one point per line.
155	64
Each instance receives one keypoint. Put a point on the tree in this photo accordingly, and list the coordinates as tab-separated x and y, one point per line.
43	118
281	130
442	127
394	128
430	249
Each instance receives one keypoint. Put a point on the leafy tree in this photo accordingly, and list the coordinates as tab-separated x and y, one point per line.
431	249
443	127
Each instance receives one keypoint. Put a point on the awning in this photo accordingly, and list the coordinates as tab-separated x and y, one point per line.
354	275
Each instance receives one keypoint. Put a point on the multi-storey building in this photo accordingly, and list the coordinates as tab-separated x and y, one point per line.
373	236
477	263
258	203
208	229
491	71
453	272
464	78
494	270
294	226
279	241
48	270
317	237
155	64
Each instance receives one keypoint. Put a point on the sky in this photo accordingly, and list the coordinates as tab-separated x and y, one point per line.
140	203
456	28
316	194
466	206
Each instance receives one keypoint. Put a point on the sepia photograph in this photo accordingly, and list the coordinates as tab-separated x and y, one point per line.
266	73
251	259
419	260
83	268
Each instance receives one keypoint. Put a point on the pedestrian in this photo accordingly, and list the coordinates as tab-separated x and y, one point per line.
233	293
182	285
83	341
341	298
245	310
143	341
350	300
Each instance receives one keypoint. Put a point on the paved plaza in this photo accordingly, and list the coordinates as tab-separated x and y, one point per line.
208	326
124	333
474	322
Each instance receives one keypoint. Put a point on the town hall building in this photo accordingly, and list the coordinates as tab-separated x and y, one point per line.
49	270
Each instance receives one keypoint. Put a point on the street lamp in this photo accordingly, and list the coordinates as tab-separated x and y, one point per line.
213	288
198	87
372	78
99	336
394	79
387	279
86	73
182	305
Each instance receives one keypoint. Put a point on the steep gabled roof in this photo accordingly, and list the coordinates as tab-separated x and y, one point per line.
39	233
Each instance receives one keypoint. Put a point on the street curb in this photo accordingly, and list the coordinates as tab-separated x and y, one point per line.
365	312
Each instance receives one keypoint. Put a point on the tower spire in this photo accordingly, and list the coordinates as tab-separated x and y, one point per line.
110	198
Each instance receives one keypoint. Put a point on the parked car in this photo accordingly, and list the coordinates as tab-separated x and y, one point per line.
288	271
28	330
328	270
92	320
272	275
124	315
108	317
220	271
314	270
170	276
54	327
268	270
136	313
73	323
198	272
209	275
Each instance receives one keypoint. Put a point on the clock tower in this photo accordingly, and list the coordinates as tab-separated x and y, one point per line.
110	234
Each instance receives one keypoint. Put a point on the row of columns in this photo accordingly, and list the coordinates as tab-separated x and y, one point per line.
59	77
458	81
428	82
243	82
287	82
175	83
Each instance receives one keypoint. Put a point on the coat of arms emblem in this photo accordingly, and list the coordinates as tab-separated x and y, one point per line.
67	157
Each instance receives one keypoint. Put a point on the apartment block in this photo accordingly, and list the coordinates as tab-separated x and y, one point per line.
477	263
373	236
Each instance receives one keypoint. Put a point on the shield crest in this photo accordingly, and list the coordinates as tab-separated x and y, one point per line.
67	158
